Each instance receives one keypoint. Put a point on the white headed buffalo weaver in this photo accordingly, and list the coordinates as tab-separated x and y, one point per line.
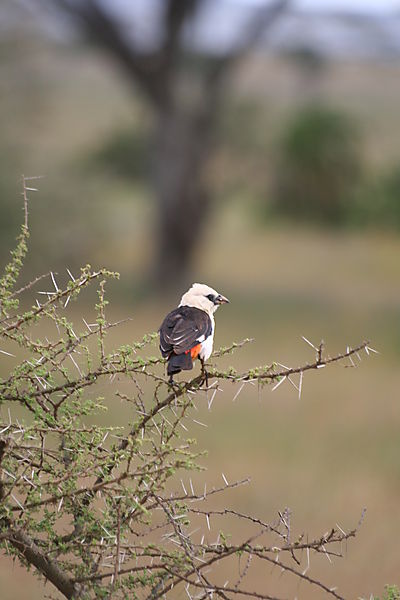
187	332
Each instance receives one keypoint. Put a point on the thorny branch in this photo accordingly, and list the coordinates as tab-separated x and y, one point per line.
104	511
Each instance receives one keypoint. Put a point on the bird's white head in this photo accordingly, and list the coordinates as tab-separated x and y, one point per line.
204	297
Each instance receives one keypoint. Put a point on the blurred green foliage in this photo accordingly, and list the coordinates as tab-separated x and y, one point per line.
377	205
319	166
124	154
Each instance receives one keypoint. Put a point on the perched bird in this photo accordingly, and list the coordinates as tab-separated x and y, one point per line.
187	332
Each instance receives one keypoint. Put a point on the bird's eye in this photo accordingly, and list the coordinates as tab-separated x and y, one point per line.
211	297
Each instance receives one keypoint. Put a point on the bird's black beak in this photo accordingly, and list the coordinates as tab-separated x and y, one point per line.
221	300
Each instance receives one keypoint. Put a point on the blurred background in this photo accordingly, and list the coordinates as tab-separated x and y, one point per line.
254	146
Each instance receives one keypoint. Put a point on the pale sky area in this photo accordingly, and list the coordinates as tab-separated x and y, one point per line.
337	38
348	5
374	6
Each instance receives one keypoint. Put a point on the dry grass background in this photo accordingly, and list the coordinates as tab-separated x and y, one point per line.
325	456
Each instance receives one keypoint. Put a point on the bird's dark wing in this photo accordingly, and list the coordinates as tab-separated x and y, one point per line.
182	329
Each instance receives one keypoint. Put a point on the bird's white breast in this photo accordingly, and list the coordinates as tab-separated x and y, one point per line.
207	345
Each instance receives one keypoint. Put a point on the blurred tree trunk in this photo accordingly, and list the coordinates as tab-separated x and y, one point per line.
182	195
184	122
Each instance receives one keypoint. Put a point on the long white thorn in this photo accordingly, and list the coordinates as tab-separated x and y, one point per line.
308	562
238	392
278	384
54	281
7	353
372	350
309	343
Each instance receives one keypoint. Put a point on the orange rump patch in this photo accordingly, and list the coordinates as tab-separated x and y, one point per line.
194	352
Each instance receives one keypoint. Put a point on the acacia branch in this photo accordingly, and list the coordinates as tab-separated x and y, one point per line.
270	374
35	556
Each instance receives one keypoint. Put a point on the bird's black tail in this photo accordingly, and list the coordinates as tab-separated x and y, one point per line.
179	362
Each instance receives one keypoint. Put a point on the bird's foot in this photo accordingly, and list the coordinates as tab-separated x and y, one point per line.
205	378
204	372
173	385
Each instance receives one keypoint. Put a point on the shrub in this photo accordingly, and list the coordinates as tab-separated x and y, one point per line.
319	167
104	512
